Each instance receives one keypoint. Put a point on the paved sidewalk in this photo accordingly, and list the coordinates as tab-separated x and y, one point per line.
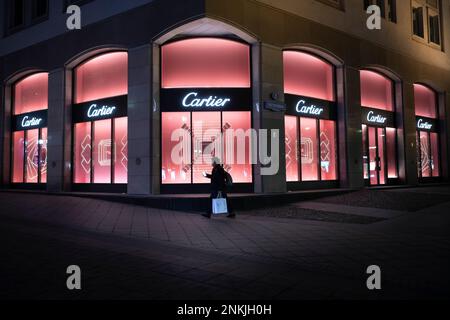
246	257
355	210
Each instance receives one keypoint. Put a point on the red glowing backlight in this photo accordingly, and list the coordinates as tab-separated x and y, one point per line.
101	77
307	75
424	101
205	63
31	93
376	91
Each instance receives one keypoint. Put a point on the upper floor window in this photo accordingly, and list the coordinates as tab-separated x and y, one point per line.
39	8
338	4
426	20
15	13
75	2
388	8
24	13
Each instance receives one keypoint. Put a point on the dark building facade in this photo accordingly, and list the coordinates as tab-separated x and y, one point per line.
95	109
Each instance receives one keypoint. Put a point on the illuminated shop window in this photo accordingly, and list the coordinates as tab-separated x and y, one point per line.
309	149
18	156
310	126
195	74
29	135
31	94
205	63
379	136
102	77
176	162
101	127
425	101
328	150
121	150
200	136
376	91
307	75
292	148
391	151
236	129
82	153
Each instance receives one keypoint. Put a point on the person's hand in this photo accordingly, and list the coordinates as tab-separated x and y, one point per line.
204	173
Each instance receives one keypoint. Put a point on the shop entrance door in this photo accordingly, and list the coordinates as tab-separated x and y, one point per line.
375	155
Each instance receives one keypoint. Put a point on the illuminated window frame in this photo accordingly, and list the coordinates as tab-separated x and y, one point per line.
92	132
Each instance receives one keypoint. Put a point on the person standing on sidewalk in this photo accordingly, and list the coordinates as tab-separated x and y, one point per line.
219	182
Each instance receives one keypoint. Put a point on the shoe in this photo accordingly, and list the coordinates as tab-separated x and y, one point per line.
231	215
207	215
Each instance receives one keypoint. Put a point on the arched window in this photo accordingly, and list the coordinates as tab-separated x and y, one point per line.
205	63
379	134
425	103
205	97
100	120
376	91
310	122
102	77
29	155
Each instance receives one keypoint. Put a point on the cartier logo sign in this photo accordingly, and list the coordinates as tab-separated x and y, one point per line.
108	108
97	111
31	120
426	124
377	117
206	99
310	107
193	100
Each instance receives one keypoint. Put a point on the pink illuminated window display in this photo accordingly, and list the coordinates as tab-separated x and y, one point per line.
101	152
425	101
31	93
100	129
191	139
308	75
205	109
102	77
379	136
376	91
205	63
311	149
291	148
30	156
310	126
29	136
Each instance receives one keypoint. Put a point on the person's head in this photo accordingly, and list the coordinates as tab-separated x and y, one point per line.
215	162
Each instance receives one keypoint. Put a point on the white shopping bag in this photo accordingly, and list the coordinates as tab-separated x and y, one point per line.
219	205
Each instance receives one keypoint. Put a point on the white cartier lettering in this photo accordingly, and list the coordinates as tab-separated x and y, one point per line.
421	124
96	111
312	109
376	118
27	122
191	100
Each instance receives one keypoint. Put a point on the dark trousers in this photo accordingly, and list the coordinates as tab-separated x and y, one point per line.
214	195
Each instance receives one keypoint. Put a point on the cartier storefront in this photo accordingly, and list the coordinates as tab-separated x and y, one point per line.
205	94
